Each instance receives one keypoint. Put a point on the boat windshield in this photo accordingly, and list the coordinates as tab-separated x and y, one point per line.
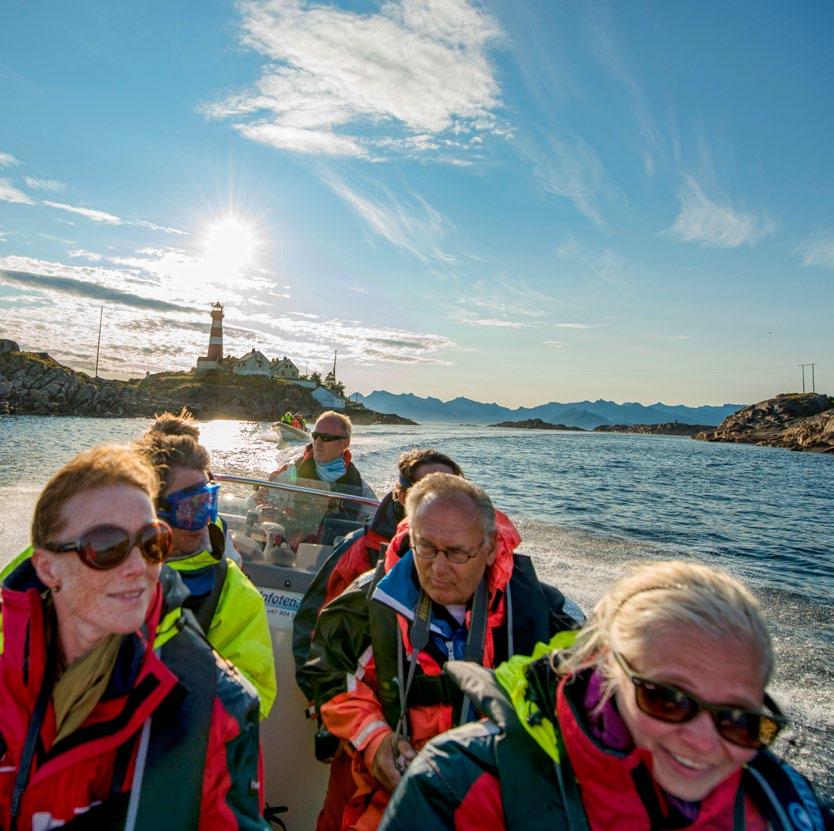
293	524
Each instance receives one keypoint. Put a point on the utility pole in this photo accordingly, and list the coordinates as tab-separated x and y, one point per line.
98	345
813	385
334	364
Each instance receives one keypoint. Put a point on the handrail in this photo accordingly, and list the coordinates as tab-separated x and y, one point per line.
285	486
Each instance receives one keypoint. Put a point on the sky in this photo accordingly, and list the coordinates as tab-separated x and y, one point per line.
519	202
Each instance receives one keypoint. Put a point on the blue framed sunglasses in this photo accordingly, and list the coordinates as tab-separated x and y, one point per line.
190	509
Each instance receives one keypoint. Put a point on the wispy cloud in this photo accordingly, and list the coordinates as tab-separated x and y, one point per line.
716	223
818	250
413	78
7	159
608	265
566	165
578	325
85	288
471	319
409	223
167	229
88	213
611	53
555	344
44	184
85	255
357	288
9	193
110	219
514	298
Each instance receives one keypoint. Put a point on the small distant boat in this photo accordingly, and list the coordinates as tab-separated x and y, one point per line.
291	434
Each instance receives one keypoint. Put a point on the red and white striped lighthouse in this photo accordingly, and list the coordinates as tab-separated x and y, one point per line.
215	350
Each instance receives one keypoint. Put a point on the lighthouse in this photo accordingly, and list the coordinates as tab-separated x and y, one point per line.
215	349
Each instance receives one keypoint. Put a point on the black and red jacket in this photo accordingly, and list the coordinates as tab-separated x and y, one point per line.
493	774
191	714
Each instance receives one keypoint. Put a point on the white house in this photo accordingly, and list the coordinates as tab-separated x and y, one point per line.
253	363
284	368
328	399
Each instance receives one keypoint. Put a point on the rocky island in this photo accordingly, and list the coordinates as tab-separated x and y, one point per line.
537	424
33	383
668	428
796	421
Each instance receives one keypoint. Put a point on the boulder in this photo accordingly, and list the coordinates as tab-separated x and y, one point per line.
797	421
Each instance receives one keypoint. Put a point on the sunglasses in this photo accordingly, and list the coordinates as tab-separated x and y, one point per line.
327	437
190	509
750	729
107	546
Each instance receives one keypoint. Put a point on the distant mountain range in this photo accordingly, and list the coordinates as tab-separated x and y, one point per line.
587	414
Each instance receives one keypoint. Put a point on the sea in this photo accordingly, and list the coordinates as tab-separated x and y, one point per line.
586	504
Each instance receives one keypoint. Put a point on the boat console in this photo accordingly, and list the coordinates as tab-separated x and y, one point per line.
283	533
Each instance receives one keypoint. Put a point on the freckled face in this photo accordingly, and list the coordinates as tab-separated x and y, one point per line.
691	759
92	604
187	542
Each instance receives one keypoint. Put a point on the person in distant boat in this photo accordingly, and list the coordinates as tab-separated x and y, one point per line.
114	710
226	604
327	459
450	586
352	557
655	718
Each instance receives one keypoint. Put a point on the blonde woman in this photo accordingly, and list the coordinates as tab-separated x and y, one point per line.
655	718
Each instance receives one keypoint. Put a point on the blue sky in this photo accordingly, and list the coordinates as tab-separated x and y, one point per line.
515	202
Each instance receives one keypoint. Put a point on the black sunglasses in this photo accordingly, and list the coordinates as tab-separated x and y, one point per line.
750	729
328	437
108	546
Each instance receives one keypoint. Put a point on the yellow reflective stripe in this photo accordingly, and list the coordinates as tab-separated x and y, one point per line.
167	628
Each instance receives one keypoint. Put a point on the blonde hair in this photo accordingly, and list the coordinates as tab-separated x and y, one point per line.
98	467
347	425
663	596
448	487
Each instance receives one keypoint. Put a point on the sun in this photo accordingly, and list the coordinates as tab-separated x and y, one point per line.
230	245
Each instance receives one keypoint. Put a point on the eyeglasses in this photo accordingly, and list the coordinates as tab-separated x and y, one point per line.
458	556
750	729
327	437
107	546
190	509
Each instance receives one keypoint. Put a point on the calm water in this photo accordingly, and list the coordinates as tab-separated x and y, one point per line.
585	504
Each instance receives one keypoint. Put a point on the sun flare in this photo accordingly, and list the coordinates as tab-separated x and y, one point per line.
229	244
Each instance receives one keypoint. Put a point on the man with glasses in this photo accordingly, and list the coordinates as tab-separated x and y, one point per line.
328	460
450	586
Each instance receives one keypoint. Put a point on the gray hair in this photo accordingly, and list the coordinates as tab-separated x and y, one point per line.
451	488
660	596
347	425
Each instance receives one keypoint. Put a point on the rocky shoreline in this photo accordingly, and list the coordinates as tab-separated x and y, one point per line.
537	424
668	428
33	383
795	421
